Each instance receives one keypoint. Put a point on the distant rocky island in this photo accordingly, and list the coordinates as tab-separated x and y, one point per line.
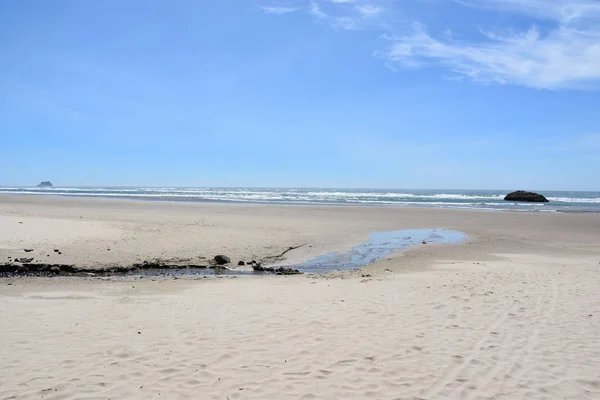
530	197
45	184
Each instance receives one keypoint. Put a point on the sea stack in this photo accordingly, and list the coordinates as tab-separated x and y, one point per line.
530	197
45	184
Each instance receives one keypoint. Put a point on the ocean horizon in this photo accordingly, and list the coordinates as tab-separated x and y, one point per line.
560	201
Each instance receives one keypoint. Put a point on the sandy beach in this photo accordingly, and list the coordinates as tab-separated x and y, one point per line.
513	312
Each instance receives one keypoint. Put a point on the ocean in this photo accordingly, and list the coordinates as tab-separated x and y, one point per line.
560	201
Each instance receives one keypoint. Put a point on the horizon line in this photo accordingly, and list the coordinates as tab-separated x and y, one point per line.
281	187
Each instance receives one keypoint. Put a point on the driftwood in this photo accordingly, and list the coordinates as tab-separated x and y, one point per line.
279	257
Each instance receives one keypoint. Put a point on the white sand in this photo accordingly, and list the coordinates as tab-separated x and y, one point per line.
514	313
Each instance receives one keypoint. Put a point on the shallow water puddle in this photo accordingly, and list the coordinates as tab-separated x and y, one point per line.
379	246
193	271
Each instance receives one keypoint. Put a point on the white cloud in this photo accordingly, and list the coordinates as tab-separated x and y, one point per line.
566	56
342	14
315	9
348	23
278	10
560	49
369	10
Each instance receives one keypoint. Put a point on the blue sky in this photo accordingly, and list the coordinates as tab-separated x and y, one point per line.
474	94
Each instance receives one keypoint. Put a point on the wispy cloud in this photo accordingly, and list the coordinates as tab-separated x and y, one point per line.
566	56
278	10
354	14
315	9
563	58
560	48
369	10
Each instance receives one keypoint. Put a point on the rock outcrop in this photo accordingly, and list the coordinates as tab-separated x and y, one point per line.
222	260
45	184
530	197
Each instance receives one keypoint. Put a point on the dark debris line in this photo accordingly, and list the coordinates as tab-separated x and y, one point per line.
25	267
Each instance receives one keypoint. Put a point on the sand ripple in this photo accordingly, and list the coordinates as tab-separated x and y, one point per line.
523	328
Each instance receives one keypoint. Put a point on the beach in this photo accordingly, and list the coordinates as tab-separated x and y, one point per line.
512	312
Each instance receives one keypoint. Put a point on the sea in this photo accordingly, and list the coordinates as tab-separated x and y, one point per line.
560	201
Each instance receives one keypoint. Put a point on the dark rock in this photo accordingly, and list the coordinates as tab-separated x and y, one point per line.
28	250
24	260
287	271
241	263
45	184
277	271
67	268
424	242
8	268
221	259
149	265
530	197
56	250
54	270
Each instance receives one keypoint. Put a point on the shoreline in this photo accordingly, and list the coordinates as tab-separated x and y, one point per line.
301	204
468	199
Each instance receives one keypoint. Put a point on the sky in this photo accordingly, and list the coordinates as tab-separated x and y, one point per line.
463	94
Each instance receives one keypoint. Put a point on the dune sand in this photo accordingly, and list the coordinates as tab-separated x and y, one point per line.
512	313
